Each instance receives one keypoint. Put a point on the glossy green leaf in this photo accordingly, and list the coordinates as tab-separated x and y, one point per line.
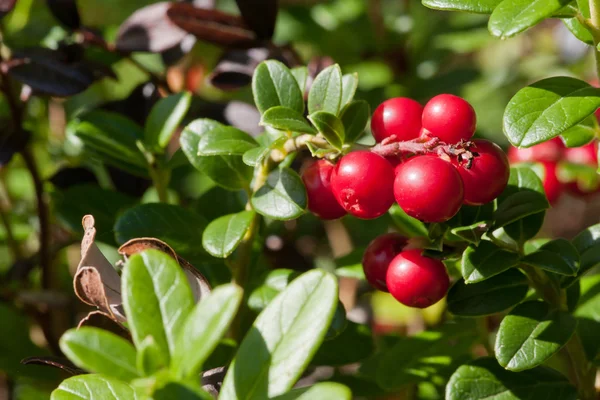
203	328
525	228
319	391
225	141
330	126
274	85
587	243
93	387
548	108
406	224
349	86
486	260
282	197
588	315
474	6
488	297
164	118
224	234
180	391
283	339
579	30
286	119
558	256
511	17
112	138
355	116
523	196
485	379
255	156
530	334
172	224
301	75
228	171
270	286
157	299
326	91
149	358
101	352
335	352
581	134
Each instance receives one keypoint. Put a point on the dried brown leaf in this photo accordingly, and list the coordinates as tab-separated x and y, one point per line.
56	362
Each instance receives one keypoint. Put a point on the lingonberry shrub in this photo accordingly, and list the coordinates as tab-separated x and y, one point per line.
237	218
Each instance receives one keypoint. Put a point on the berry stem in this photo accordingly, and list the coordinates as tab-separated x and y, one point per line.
594	28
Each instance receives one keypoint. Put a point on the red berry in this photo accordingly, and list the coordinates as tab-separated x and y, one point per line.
450	118
399	116
587	155
417	281
362	183
552	150
378	255
552	186
429	188
488	175
321	201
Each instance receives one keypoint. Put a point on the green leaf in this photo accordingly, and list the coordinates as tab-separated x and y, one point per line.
224	234
100	351
286	119
318	391
225	141
326	91
488	297
335	352
270	286
581	134
474	6
579	30
350	265
229	172
558	256
93	387
203	329
548	108
301	76
283	339
349	86
486	260
329	126
530	334
587	243
180	391
282	197
514	16
524	229
255	156
355	116
523	196
164	118
172	224
157	299
112	139
406	224
588	316
150	358
274	85
486	379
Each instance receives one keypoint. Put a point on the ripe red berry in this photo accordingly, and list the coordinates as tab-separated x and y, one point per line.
399	116
417	281
488	175
378	255
552	186
552	151
450	118
362	183
321	201
428	188
587	155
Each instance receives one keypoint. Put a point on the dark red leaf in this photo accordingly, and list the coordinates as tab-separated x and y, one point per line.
56	362
49	72
66	12
6	6
260	15
212	25
149	29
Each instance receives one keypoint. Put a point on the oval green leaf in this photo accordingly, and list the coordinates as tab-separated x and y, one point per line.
488	297
100	351
319	391
548	108
164	118
274	85
330	126
349	86
485	261
301	75
283	339
511	17
157	299
355	116
558	256
282	197
531	334
203	329
286	119
93	387
326	91
474	6
224	234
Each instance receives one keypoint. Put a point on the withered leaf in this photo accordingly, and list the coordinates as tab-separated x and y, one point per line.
212	26
236	67
260	15
96	282
149	29
107	322
56	362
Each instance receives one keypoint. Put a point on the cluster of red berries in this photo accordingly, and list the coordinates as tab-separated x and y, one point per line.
413	279
431	185
550	154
